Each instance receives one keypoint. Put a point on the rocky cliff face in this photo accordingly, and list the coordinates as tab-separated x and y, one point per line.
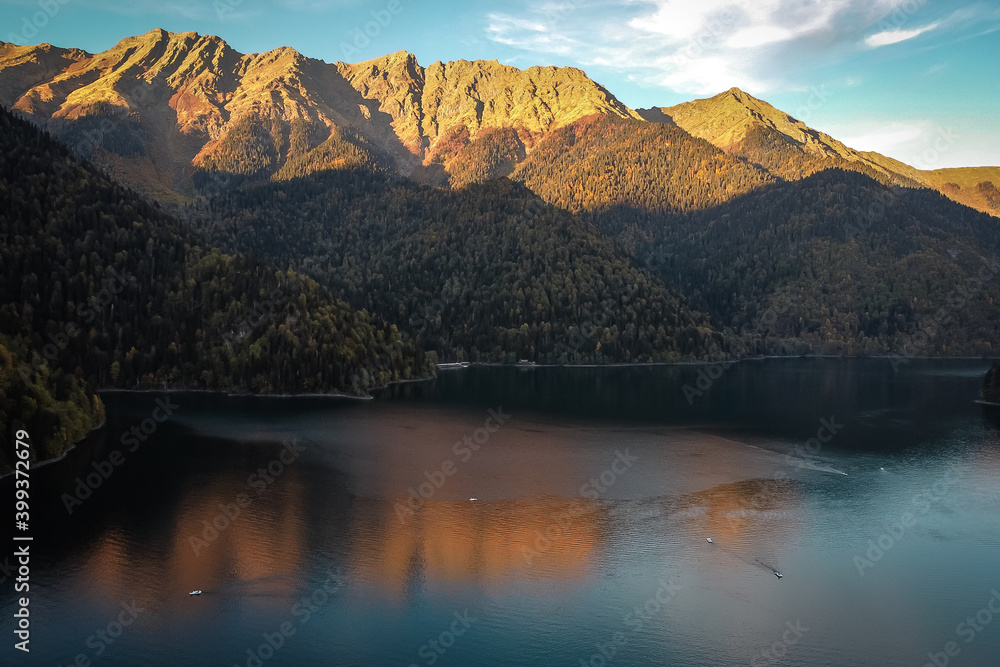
162	110
157	107
729	119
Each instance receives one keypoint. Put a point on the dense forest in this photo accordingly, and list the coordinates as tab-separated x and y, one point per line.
842	262
769	149
610	240
484	273
99	288
257	150
494	153
630	169
836	264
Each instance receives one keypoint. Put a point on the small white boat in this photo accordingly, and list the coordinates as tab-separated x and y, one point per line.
778	574
710	540
195	593
473	499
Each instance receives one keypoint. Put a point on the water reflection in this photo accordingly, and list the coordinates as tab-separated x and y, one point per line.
548	571
461	541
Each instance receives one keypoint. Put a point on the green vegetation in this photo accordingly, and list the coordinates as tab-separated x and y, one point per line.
836	264
485	273
771	150
493	154
53	406
627	169
101	289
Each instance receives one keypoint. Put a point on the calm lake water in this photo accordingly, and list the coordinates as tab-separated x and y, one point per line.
874	492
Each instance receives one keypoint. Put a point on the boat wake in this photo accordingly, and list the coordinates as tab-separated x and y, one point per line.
806	464
275	585
755	562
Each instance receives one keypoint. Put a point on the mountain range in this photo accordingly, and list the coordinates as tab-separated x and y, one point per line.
276	223
161	110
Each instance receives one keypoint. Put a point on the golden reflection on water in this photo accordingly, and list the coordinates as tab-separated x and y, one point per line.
449	541
259	553
386	543
753	510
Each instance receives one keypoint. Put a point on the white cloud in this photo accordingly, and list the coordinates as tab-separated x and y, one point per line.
925	143
887	37
531	35
890	138
700	46
752	37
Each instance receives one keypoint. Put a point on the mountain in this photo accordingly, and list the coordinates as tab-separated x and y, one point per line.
624	169
100	289
573	229
866	262
175	114
835	263
741	124
159	108
486	273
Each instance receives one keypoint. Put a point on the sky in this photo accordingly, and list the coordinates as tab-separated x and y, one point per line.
913	79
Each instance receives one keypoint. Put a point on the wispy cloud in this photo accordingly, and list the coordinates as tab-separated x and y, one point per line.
928	143
887	37
528	34
704	46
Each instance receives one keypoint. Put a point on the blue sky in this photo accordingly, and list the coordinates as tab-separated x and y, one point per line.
914	79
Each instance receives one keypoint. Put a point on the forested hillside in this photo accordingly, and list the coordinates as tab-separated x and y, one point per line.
484	273
770	150
101	289
836	264
626	168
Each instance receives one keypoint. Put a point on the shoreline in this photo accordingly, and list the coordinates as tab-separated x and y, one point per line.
219	392
241	394
57	459
235	394
449	366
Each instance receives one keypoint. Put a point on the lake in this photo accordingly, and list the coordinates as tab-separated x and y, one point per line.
532	516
